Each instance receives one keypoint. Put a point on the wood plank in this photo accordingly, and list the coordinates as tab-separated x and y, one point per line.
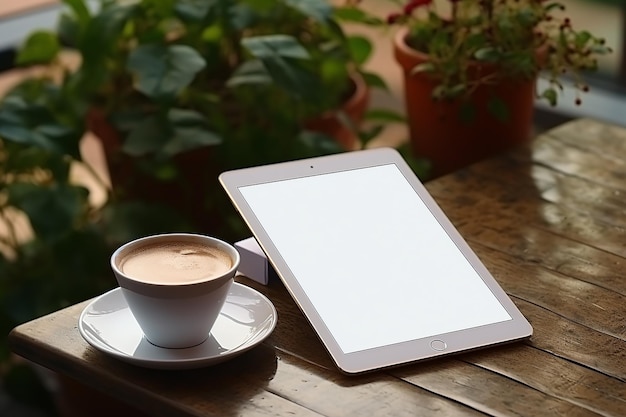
579	301
552	252
375	394
555	376
581	195
577	343
487	391
494	205
486	202
586	148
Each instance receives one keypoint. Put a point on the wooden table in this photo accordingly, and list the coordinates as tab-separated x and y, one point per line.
549	221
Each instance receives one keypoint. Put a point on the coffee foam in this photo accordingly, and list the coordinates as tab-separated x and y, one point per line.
174	262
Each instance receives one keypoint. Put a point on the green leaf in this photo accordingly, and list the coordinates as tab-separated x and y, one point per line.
551	95
360	49
79	7
374	80
385	115
582	38
126	119
34	124
26	160
487	54
163	71
498	108
356	15
279	55
102	31
193	10
274	47
423	67
240	16
17	134
528	17
98	39
249	73
212	34
474	41
456	90
553	5
69	30
505	23
41	47
190	131
145	137
51	210
319	143
180	131
319	10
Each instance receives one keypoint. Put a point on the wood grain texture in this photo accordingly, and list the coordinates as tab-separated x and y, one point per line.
549	222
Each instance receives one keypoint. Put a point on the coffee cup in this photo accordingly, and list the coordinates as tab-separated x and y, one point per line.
175	285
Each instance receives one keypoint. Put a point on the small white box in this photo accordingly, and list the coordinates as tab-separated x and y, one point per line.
254	264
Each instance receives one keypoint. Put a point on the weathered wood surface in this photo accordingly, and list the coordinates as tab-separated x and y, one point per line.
549	221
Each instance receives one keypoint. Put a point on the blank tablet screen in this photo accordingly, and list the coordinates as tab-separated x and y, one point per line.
376	267
373	260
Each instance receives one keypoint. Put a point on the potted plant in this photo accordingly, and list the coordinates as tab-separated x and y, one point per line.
471	66
178	91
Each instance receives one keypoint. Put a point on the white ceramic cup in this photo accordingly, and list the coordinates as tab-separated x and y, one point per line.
177	312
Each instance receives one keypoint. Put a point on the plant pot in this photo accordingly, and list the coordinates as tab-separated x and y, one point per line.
438	129
332	123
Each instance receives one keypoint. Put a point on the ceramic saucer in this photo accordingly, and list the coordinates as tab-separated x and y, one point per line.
246	319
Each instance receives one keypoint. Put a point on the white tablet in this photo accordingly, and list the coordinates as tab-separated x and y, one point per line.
371	260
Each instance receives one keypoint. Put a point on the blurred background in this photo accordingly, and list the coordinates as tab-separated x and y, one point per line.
606	100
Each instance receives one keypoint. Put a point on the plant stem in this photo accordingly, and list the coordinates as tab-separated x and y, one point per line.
489	11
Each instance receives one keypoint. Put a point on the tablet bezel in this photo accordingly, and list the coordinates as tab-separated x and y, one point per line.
384	356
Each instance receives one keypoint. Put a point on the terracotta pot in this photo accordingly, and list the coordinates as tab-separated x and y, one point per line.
438	132
354	109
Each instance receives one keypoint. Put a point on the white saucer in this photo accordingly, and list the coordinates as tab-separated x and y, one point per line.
246	319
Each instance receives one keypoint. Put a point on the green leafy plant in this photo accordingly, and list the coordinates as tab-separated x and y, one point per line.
237	80
523	38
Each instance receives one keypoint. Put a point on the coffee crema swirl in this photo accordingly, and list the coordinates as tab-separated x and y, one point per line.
174	262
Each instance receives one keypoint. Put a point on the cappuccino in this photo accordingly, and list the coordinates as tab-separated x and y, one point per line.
174	262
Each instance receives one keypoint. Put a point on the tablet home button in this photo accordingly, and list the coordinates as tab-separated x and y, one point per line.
438	345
